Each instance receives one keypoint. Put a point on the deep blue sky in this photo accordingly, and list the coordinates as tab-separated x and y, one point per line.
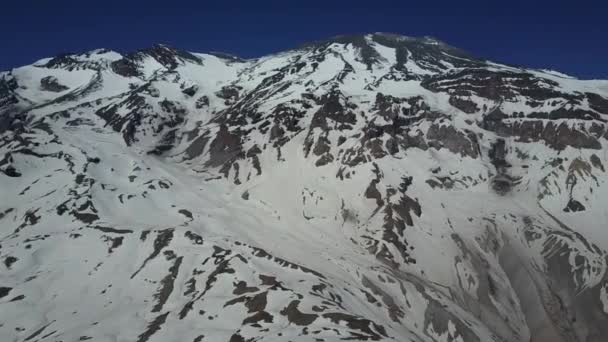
569	36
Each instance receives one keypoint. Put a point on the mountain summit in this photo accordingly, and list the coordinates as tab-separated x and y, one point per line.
369	187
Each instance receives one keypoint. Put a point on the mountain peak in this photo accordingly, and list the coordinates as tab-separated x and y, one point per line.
391	39
428	52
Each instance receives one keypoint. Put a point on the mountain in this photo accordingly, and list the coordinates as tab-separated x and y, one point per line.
370	187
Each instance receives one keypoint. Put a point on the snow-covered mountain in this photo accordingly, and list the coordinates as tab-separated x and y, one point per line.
374	187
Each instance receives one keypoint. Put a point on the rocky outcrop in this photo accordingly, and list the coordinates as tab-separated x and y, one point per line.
51	83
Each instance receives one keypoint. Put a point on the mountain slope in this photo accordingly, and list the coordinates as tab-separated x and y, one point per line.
374	187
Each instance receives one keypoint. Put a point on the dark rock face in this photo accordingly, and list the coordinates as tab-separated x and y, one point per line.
51	83
168	56
229	93
202	102
334	111
556	135
225	147
8	84
596	162
9	261
399	110
505	86
502	182
4	291
141	119
11	120
171	58
448	137
10	171
190	91
495	85
574	206
75	61
598	103
464	104
127	124
126	67
65	60
197	147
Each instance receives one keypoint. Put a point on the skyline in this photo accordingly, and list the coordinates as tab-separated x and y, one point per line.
555	35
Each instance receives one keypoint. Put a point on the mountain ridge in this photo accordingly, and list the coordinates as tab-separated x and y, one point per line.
334	39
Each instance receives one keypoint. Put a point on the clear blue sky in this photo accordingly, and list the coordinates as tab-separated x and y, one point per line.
569	36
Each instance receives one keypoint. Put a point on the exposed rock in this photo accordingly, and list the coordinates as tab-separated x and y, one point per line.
440	136
202	102
574	206
225	147
4	291
595	160
297	317
126	67
51	83
191	90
